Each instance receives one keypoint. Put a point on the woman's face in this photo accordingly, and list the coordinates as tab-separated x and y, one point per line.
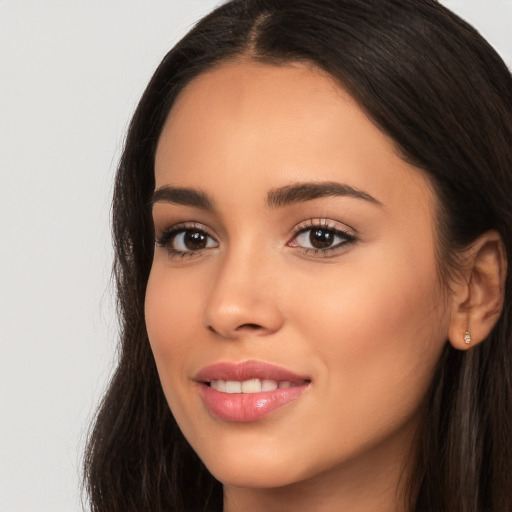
293	306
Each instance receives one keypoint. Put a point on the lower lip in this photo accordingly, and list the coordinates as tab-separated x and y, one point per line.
245	407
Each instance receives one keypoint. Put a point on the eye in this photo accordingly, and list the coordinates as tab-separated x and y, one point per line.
191	240
320	237
185	240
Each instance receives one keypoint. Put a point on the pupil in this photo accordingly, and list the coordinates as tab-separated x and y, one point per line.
195	240
320	238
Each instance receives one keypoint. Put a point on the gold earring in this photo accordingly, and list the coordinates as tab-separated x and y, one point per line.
467	338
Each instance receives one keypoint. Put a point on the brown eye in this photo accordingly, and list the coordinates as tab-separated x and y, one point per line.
320	238
190	240
195	240
185	241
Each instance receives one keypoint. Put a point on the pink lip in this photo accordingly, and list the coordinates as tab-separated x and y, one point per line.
245	370
246	407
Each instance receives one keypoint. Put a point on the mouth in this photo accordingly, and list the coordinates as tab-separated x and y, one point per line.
252	385
248	391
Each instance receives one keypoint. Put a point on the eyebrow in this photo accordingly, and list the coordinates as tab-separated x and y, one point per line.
276	198
184	196
301	192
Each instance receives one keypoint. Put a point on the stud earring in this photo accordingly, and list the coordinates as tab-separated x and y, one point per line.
467	338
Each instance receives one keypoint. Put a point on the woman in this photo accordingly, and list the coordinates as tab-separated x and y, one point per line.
312	219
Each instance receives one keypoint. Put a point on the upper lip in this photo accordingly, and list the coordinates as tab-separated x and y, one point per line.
245	370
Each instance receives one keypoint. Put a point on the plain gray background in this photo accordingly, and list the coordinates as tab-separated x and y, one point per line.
71	72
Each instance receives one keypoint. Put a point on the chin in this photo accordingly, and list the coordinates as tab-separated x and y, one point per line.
251	461
254	474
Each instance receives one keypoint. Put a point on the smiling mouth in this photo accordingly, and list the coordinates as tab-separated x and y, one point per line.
251	386
248	391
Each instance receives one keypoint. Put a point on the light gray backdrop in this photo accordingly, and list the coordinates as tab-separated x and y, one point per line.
71	72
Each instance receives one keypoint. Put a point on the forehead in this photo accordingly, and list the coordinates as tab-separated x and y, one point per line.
246	126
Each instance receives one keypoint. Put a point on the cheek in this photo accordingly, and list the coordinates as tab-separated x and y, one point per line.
172	321
380	329
374	313
171	300
168	314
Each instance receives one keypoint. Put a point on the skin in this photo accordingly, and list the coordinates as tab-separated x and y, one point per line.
366	322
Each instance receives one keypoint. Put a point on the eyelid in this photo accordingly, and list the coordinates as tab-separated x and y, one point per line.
349	237
164	237
175	228
324	222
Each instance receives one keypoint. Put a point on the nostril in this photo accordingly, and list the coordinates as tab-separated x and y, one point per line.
249	326
242	327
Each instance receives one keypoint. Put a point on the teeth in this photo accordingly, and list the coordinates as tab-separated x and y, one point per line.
219	385
249	386
233	386
268	385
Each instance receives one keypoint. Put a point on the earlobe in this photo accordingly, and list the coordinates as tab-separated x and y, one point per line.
477	300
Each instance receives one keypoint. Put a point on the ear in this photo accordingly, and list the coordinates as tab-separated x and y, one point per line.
477	299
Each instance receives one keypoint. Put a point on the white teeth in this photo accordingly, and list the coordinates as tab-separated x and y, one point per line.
249	386
233	386
219	385
268	385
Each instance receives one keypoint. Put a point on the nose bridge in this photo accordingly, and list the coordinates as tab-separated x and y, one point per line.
243	296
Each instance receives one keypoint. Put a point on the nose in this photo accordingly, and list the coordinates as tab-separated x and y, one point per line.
243	300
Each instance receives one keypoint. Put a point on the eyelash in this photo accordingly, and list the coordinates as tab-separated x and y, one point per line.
168	236
347	239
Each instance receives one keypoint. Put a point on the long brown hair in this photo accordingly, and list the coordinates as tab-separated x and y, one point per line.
437	88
